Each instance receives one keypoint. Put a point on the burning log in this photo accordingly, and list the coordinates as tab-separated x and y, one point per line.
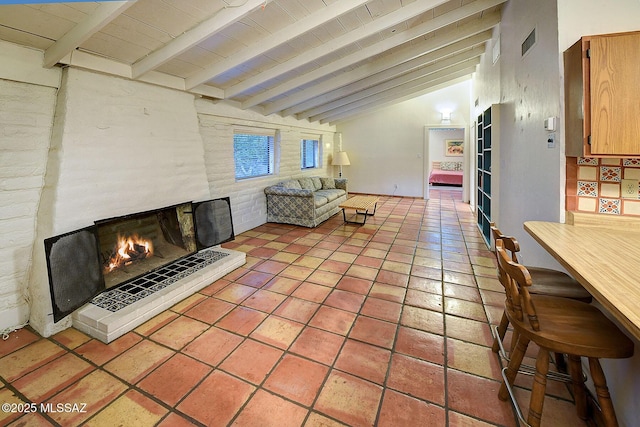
127	251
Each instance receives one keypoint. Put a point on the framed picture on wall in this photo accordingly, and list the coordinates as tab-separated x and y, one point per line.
453	147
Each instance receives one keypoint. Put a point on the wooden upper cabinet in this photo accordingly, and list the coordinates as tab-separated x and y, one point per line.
602	96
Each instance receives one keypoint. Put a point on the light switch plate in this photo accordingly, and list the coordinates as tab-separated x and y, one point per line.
551	140
630	189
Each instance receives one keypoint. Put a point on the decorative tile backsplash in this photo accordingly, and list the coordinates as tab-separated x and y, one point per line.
605	186
611	174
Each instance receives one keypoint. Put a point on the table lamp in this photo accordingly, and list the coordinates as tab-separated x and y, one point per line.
341	159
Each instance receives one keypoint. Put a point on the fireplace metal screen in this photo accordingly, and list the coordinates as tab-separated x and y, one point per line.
213	222
79	263
75	273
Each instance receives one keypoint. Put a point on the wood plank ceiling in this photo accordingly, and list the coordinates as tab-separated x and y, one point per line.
321	60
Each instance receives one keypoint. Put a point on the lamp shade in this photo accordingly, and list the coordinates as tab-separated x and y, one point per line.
341	159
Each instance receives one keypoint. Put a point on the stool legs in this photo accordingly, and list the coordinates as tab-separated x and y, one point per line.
561	364
514	365
579	393
539	388
602	391
502	330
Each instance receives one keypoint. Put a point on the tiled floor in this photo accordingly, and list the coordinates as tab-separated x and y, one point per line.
385	324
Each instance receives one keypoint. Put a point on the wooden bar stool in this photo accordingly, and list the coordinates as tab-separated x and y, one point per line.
545	281
557	325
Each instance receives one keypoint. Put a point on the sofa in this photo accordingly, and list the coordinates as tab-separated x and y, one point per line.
305	201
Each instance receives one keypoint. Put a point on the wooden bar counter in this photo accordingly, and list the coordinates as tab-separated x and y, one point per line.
606	261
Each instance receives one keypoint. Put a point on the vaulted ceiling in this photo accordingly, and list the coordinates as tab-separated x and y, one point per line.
321	60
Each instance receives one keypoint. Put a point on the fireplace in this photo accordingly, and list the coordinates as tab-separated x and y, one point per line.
123	261
137	244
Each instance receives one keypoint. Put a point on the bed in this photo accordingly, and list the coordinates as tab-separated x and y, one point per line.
446	173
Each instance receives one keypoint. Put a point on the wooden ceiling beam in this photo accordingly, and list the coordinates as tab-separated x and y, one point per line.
394	18
421	73
219	21
376	72
407	88
433	87
88	61
81	32
363	54
276	39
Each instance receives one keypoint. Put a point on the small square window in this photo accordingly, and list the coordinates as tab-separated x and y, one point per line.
309	153
253	155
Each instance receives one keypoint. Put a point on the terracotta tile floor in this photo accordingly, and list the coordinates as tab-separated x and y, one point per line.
385	324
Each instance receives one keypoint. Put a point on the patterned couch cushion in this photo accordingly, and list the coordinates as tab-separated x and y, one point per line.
319	200
317	184
307	184
292	184
331	195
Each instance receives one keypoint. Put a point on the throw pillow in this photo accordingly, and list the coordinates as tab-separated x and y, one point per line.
328	183
317	184
292	184
306	184
448	166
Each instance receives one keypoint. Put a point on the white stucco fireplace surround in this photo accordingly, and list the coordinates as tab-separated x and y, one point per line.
127	147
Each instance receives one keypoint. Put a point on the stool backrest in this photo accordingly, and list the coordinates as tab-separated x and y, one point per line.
516	279
509	242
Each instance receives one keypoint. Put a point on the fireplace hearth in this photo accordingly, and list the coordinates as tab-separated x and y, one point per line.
124	270
133	291
118	310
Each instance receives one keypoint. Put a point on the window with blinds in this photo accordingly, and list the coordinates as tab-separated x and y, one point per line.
309	155
253	155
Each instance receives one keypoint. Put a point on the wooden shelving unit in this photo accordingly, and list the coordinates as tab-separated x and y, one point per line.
486	139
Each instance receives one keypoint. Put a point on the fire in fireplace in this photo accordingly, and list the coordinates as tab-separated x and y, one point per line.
128	250
115	251
139	243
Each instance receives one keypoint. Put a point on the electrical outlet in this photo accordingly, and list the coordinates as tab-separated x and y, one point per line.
630	189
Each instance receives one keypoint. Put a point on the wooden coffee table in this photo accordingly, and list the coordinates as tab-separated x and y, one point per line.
363	205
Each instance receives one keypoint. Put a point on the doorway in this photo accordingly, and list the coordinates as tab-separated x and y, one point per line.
448	144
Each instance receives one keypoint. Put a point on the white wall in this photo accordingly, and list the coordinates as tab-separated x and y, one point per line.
528	89
577	18
91	146
27	102
248	202
26	117
386	147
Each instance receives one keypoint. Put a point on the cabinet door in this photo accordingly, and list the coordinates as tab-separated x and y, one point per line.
575	78
615	94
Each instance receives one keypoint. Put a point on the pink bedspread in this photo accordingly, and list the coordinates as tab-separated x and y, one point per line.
445	177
